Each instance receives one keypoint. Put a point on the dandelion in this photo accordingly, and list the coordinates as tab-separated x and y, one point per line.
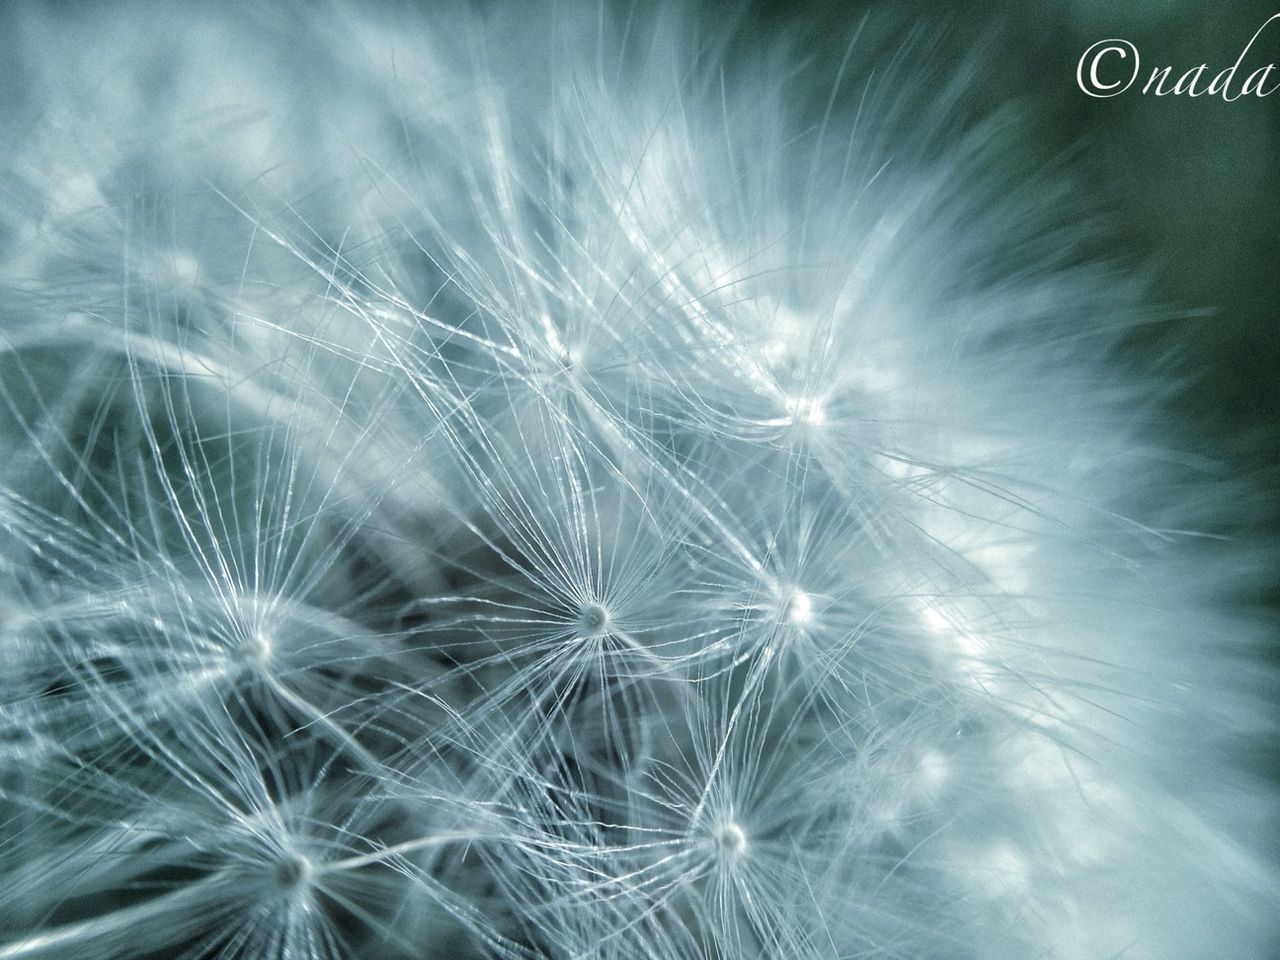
586	484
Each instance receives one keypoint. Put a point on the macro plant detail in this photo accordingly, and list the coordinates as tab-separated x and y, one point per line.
574	481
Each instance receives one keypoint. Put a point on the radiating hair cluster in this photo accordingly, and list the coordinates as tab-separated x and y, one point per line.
547	481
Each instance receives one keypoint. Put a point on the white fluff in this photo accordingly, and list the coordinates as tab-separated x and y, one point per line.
551	482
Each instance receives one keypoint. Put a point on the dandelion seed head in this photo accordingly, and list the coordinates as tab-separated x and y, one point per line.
291	873
593	620
255	649
799	608
730	839
807	411
641	502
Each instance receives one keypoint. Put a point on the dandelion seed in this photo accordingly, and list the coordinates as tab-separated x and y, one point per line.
255	650
731	839
292	872
808	411
593	620
799	608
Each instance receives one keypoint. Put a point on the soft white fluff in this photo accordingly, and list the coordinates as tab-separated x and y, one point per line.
546	481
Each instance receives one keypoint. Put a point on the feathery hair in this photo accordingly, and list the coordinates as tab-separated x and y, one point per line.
544	480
